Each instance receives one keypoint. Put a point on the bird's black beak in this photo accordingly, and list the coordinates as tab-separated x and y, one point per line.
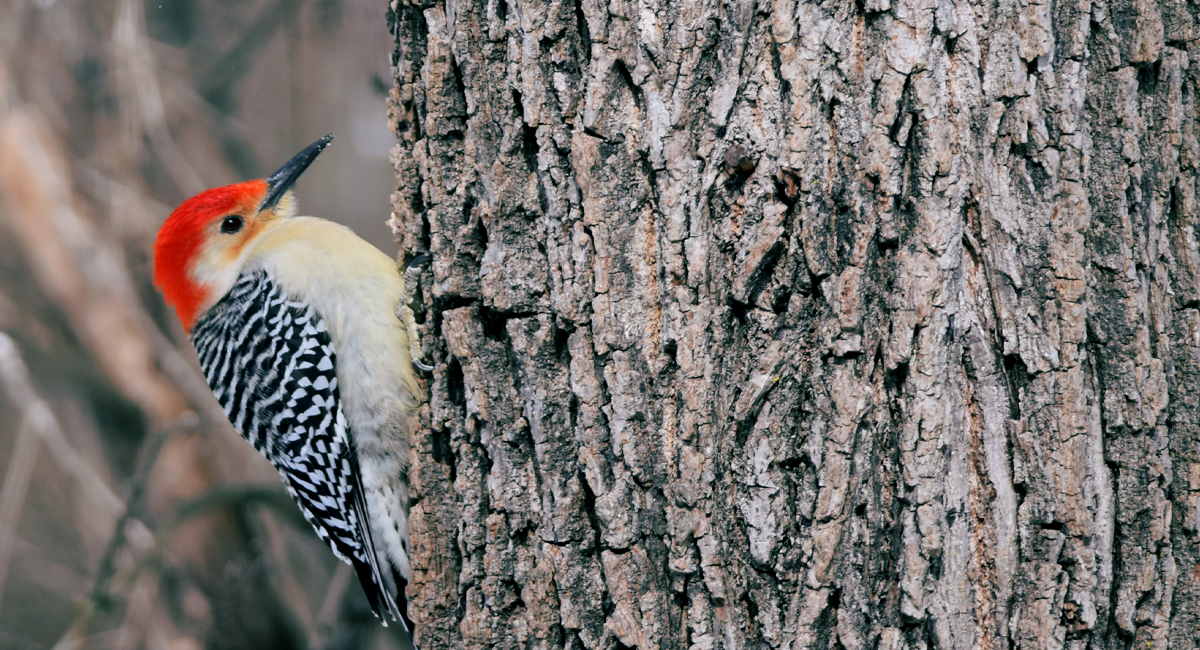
283	178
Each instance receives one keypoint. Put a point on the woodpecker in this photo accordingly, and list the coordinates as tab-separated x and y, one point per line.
296	326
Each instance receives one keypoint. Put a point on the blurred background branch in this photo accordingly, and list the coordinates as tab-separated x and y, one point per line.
130	514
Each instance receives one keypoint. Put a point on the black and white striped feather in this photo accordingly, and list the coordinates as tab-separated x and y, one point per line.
271	364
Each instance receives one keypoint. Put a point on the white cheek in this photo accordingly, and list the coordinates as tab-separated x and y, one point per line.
211	271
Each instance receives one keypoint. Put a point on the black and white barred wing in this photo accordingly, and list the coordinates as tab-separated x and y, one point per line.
271	364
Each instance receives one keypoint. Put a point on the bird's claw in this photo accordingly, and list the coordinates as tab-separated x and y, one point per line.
417	262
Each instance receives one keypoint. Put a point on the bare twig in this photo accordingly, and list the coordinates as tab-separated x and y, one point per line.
185	375
16	485
134	505
14	377
273	496
291	613
40	425
327	618
141	601
143	104
84	275
240	59
218	82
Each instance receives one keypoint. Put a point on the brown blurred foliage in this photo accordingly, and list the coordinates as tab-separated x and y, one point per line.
131	516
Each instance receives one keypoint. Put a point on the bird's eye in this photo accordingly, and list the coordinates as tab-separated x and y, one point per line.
231	225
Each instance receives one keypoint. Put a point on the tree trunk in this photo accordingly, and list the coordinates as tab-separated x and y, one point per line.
780	325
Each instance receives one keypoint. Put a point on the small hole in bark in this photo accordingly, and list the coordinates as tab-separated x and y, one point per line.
751	614
459	84
562	340
896	377
860	510
493	323
455	388
738	310
573	411
529	146
589	506
1174	213
791	463
835	598
502	10
481	233
1038	174
1148	77
785	86
443	450
418	203
814	283
1018	378
787	186
781	302
670	349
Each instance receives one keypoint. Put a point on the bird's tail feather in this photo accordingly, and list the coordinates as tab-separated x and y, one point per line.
373	581
402	602
383	604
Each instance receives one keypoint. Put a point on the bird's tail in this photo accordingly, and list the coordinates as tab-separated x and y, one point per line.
402	605
369	566
383	604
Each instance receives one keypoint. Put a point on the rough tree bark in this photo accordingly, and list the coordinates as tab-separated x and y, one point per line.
780	324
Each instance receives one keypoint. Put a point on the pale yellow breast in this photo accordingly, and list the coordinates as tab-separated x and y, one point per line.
356	289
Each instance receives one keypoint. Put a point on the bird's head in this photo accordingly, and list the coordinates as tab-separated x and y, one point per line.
200	249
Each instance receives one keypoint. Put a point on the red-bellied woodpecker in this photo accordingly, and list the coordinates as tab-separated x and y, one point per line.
296	323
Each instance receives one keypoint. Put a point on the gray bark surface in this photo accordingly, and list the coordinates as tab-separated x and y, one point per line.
788	325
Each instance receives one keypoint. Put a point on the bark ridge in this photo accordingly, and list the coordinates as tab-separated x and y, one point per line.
792	325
